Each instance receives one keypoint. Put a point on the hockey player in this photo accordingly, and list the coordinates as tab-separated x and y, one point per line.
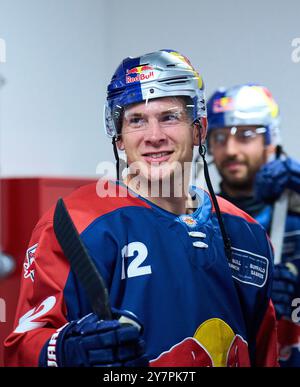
244	140
194	279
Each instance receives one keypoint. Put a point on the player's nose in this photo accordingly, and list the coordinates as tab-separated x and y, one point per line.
155	133
231	146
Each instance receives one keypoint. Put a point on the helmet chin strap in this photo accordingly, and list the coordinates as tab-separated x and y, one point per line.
114	143
226	240
120	163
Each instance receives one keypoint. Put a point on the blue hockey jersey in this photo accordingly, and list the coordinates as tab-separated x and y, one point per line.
196	307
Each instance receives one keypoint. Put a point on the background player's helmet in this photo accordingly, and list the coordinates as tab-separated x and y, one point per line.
164	73
248	104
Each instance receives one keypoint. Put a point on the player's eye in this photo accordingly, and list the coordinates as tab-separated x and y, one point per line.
246	134
219	138
171	117
135	121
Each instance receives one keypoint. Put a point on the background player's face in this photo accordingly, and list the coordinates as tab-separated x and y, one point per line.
238	161
158	136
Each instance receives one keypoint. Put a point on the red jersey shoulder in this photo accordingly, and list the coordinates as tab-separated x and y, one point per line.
229	208
91	201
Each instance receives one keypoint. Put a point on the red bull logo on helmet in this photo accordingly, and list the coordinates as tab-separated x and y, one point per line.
222	105
139	74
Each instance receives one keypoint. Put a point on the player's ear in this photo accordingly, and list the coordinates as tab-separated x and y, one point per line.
269	151
120	144
203	131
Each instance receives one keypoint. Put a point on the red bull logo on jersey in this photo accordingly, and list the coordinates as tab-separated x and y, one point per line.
139	74
214	344
29	266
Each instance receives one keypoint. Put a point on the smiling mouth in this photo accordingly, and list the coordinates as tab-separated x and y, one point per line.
157	156
233	165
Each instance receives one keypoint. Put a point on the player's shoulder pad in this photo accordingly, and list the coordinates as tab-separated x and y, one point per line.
228	208
94	200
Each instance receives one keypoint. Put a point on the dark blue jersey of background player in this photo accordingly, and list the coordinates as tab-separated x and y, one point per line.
243	137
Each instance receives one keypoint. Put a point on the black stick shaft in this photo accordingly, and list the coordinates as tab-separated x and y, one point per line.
80	261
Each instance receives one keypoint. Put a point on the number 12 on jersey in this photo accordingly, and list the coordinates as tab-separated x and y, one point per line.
135	268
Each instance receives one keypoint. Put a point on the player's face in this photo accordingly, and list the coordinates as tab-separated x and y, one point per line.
238	155
157	136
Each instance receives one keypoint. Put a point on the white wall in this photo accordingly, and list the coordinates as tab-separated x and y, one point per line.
51	105
60	55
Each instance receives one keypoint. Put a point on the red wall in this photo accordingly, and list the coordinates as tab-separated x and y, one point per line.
22	203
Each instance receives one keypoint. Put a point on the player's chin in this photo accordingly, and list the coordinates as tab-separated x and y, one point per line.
160	172
236	175
165	171
237	181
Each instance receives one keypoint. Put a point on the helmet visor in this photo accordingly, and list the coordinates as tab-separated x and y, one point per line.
167	113
242	134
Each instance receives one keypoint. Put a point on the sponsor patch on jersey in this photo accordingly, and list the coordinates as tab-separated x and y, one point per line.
188	220
248	267
29	263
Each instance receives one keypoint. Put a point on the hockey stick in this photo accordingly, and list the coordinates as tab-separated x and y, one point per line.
278	225
280	211
80	261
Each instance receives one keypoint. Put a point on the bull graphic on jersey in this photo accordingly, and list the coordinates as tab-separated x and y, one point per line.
214	344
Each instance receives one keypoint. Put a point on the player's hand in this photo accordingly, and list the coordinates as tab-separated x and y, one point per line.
276	176
90	342
285	280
